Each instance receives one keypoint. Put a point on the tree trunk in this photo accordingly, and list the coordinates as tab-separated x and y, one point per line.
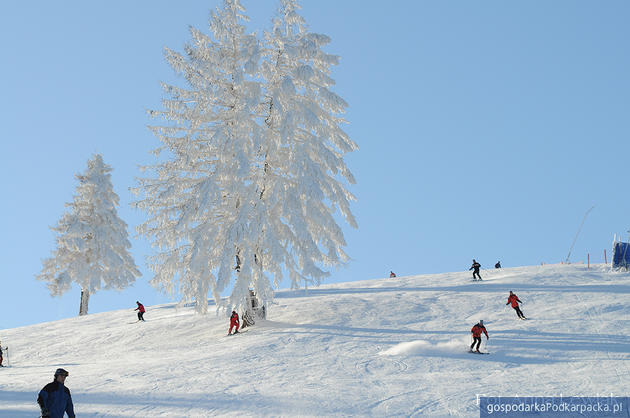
85	298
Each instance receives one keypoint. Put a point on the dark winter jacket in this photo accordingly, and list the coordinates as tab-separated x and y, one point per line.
475	267
514	300
54	399
478	329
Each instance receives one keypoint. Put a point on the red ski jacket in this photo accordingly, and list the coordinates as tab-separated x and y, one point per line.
477	330
514	300
234	318
140	308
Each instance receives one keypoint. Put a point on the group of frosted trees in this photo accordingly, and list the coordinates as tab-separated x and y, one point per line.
248	178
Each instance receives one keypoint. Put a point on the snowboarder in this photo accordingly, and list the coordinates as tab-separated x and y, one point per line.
475	267
392	274
140	310
498	265
233	323
54	399
514	300
476	333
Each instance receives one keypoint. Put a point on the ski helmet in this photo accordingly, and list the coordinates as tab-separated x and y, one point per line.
481	322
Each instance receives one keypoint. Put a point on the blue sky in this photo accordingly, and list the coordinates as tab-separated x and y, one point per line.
486	129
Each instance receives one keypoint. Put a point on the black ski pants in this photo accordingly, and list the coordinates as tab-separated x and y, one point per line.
518	312
140	314
476	340
476	274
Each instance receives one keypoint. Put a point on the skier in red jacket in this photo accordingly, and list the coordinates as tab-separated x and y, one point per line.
514	300
140	310
476	333
392	274
233	323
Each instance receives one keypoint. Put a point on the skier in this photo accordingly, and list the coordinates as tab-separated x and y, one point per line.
140	310
233	323
498	265
54	399
392	274
475	267
476	333
514	300
1	354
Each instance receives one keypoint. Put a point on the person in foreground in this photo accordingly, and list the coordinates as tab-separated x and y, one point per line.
54	399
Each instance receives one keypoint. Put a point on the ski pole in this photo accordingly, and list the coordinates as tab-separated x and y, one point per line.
6	349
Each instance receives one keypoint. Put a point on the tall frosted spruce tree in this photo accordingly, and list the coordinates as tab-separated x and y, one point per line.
248	190
92	241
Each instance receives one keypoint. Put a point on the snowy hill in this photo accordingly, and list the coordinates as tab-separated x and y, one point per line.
387	347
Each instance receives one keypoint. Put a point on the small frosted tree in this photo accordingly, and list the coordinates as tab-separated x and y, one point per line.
92	241
248	190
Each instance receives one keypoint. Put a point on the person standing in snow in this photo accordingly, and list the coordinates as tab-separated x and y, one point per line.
475	267
392	274
1	365
140	310
233	323
476	333
54	399
498	265
514	300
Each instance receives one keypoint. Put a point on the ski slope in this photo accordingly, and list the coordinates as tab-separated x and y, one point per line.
385	347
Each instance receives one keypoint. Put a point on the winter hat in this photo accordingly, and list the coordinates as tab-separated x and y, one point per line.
481	322
61	372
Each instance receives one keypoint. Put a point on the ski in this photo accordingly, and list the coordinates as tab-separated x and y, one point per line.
235	333
478	352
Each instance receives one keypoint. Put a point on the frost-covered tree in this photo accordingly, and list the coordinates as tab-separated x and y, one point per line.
248	190
92	241
303	153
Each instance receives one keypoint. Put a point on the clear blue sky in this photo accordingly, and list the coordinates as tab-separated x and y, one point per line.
487	129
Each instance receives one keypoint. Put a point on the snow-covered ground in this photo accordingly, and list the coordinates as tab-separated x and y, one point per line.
387	347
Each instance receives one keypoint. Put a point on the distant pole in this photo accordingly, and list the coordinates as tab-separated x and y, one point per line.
605	258
588	260
578	233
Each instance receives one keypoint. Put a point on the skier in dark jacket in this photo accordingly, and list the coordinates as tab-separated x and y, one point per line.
140	310
498	265
475	267
233	323
476	333
1	354
514	300
54	399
